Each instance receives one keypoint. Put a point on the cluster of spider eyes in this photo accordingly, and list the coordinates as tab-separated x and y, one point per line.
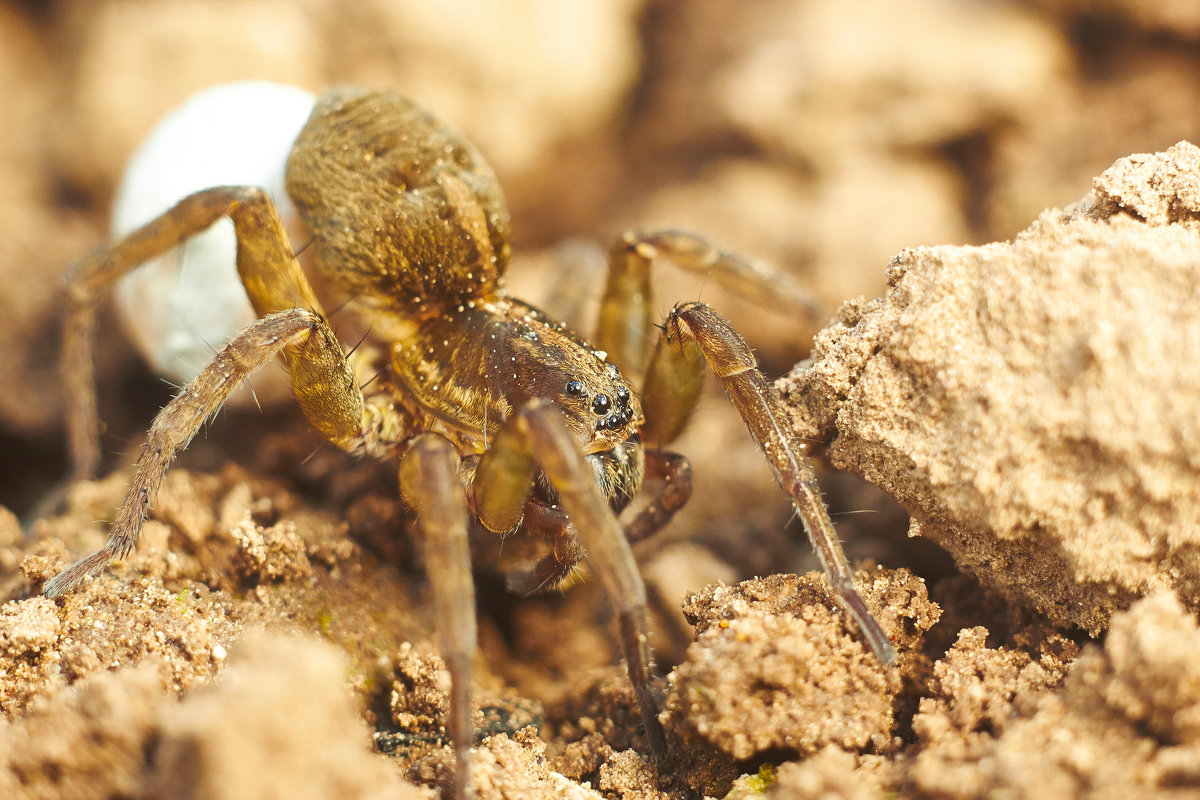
602	405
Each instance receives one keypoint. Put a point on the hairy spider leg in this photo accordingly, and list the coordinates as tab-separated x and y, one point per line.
534	436
291	326
299	330
732	361
503	480
675	472
626	307
501	489
610	555
268	270
694	336
430	483
553	525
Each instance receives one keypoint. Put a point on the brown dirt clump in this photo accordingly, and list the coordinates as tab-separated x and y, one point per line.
280	722
89	742
831	774
507	766
1123	723
771	669
1032	403
230	739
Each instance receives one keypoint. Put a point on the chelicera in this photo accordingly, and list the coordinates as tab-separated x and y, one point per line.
499	417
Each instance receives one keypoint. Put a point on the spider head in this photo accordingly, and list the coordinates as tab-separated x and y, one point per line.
527	355
600	404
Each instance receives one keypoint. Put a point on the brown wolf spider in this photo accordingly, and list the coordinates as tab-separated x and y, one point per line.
493	411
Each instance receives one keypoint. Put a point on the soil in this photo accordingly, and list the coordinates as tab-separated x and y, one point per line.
1007	431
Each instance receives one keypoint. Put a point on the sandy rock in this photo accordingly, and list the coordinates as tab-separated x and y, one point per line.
603	705
830	774
410	714
629	776
974	691
1157	188
274	553
1150	675
505	767
224	741
231	741
898	599
776	696
758	677
1032	403
84	744
1107	733
29	632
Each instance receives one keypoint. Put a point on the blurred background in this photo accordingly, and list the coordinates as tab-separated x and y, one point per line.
816	136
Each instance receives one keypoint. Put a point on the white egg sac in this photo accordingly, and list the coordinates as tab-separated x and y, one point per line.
180	308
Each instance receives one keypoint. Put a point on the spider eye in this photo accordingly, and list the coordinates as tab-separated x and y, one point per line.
601	404
622	395
575	388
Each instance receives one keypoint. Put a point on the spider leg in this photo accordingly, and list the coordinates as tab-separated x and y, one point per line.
430	483
537	435
291	326
610	555
553	525
501	484
626	310
298	329
500	490
269	271
676	473
697	327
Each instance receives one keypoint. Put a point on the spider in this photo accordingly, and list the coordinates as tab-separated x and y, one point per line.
498	416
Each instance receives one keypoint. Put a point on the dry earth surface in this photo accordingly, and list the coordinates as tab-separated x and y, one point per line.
1027	410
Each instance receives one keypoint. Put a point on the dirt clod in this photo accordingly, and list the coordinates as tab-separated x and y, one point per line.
1110	731
231	741
771	671
1002	394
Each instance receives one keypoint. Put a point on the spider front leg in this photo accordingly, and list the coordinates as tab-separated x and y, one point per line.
317	361
268	270
537	436
695	335
694	332
291	326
